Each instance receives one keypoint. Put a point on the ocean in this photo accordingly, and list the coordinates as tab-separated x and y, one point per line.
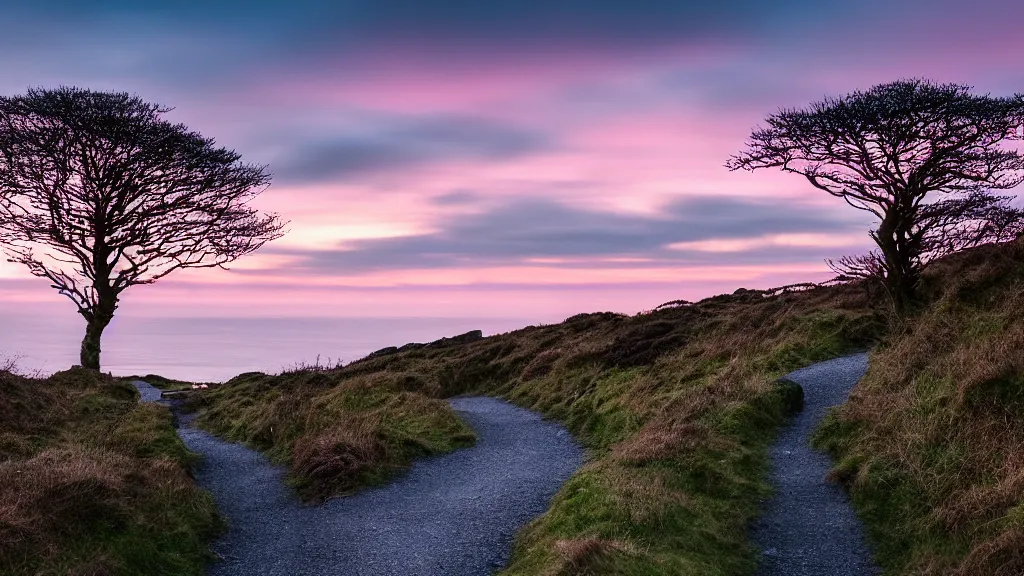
215	349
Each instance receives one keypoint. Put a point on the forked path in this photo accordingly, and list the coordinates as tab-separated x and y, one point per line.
452	515
809	528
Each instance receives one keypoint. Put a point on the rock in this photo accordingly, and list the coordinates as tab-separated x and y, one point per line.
382	352
471	336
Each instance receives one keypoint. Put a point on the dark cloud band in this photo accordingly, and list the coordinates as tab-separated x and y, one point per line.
517	232
396	143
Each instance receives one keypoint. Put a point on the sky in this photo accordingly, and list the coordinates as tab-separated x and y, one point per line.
474	159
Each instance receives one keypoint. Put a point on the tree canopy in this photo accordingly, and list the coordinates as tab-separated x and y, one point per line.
924	158
98	193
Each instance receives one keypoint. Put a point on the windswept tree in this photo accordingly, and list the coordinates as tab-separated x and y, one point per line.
98	193
924	158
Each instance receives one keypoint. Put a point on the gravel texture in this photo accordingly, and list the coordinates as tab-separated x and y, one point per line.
450	515
808	527
148	393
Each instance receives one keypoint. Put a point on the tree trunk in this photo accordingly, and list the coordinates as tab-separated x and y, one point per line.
893	238
90	357
97	320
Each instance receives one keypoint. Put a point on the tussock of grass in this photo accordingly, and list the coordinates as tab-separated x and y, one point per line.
93	483
337	434
931	444
676	408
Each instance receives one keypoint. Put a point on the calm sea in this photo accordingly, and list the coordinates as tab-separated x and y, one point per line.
215	349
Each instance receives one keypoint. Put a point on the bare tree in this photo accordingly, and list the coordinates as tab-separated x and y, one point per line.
99	193
922	157
946	226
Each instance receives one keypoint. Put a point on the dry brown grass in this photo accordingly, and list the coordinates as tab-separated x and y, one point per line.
336	433
92	483
676	406
932	441
60	493
338	458
586	556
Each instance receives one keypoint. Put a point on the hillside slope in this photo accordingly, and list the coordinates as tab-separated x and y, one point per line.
676	407
93	483
931	443
337	434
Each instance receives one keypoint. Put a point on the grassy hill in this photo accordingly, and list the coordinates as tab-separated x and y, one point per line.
337	434
676	408
93	483
931	443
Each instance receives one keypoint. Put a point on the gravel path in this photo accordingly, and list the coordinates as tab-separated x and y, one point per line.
450	515
148	393
809	527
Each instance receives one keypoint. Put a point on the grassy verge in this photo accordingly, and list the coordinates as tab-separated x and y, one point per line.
678	425
931	444
676	408
336	434
93	483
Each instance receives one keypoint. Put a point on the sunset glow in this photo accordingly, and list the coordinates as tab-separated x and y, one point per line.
540	152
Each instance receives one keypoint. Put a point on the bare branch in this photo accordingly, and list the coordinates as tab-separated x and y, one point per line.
98	193
921	157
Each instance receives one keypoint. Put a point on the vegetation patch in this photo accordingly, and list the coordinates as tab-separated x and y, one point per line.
91	482
676	407
679	440
931	443
336	433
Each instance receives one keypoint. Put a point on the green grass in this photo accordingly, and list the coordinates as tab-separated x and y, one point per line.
93	483
337	435
931	444
679	448
676	409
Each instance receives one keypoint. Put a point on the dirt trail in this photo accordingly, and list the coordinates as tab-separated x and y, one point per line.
809	528
452	515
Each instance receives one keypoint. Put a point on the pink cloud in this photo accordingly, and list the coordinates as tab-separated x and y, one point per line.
624	141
